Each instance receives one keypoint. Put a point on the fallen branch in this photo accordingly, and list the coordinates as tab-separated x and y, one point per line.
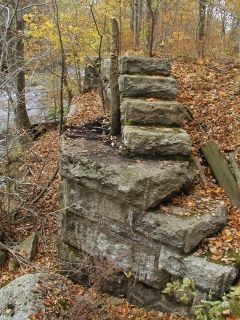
221	171
190	117
42	193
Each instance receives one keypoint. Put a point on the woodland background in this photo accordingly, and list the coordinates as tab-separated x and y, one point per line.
62	36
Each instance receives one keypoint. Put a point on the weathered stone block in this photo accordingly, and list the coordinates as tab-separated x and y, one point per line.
145	268
123	253
105	69
156	141
143	112
145	296
84	269
130	233
164	88
79	234
206	275
94	205
26	295
110	218
142	184
181	232
138	65
92	238
146	66
28	247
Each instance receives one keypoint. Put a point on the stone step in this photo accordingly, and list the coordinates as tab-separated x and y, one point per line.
146	66
208	276
144	112
150	265
173	228
141	183
179	231
164	88
153	141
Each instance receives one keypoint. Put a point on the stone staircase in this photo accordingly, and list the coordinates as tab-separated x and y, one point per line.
111	214
151	128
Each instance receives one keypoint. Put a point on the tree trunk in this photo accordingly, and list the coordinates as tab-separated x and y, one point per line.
152	17
223	31
202	27
114	74
234	36
150	52
149	34
21	116
132	16
120	26
209	20
136	24
101	34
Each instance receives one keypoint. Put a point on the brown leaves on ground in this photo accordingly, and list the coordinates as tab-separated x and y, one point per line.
87	108
211	90
212	93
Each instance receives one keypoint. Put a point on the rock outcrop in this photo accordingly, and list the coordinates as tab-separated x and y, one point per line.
111	218
93	166
25	296
28	247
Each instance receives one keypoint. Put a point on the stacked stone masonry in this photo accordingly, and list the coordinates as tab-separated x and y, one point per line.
111	201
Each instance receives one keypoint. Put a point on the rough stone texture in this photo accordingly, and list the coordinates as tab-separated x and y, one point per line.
105	71
181	232
91	76
153	141
143	112
206	275
164	88
142	183
96	240
24	296
141	65
93	205
145	296
145	66
28	247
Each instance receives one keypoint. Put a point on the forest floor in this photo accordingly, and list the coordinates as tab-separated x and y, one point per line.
211	91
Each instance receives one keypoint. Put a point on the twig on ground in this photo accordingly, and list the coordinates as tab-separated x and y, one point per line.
42	193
